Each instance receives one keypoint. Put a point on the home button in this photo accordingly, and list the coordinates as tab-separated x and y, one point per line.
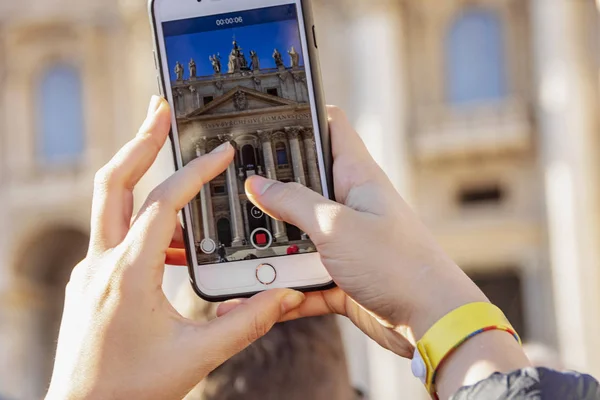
266	274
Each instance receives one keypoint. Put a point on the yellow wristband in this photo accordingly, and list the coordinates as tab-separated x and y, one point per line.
450	332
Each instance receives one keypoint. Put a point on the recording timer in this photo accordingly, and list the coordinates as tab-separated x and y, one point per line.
230	21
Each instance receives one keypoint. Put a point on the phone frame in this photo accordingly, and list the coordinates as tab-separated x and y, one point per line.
321	110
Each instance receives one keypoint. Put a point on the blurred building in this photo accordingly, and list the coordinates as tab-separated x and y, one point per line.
484	114
490	130
69	80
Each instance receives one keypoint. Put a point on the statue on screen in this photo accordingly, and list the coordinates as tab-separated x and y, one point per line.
243	61
255	65
278	59
215	60
192	68
237	59
235	64
179	71
295	57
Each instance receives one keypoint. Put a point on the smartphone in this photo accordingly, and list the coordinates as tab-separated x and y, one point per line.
247	72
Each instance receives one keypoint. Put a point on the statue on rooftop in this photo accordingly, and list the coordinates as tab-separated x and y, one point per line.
215	60
237	59
179	70
278	59
295	57
192	68
255	65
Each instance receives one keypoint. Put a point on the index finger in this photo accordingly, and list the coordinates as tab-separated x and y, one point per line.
112	205
152	232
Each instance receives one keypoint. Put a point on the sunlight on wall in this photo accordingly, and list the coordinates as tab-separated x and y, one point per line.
559	192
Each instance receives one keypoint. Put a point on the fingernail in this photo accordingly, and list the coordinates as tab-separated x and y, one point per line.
222	148
155	103
291	301
260	185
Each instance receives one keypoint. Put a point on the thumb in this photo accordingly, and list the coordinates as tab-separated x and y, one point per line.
250	321
295	204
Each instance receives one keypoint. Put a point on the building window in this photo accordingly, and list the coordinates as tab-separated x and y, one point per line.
481	196
475	58
224	232
249	156
219	190
61	138
273	92
208	99
282	155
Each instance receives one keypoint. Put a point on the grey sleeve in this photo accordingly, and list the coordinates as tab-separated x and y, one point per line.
533	384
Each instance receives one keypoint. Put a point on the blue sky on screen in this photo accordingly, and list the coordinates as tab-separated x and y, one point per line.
263	39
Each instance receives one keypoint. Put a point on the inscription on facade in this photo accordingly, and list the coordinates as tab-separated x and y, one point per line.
255	120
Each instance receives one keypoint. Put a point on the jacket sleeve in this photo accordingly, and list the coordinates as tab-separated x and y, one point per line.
533	384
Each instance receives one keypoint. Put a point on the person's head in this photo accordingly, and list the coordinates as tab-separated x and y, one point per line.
297	360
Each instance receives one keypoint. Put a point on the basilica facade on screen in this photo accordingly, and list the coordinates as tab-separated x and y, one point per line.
265	114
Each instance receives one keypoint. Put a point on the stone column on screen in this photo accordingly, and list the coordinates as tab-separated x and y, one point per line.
204	225
246	219
279	231
237	223
312	161
293	135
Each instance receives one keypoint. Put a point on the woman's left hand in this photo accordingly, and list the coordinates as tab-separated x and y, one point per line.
120	337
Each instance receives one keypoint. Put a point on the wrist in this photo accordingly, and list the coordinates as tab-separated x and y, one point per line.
477	359
443	290
476	323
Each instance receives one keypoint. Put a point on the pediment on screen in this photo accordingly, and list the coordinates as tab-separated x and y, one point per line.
239	100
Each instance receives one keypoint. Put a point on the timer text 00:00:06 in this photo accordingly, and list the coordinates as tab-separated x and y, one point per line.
230	21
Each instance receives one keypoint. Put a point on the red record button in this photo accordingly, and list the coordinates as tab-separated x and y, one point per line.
261	239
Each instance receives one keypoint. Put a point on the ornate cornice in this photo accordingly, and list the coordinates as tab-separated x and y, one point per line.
293	132
213	144
308	133
225	138
265	136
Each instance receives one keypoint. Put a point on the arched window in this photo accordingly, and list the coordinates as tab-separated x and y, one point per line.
475	59
61	137
249	156
282	155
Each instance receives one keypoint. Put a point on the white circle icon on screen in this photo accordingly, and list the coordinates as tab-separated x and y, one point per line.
208	246
257	213
261	239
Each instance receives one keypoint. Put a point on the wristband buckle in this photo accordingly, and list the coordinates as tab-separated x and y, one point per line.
418	367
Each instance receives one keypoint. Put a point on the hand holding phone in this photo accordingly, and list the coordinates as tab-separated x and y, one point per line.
120	337
245	72
393	277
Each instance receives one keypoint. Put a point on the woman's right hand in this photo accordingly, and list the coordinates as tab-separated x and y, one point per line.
390	271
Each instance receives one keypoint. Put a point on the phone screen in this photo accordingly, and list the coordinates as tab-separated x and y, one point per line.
242	77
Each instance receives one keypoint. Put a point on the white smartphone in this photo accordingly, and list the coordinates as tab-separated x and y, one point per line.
247	72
